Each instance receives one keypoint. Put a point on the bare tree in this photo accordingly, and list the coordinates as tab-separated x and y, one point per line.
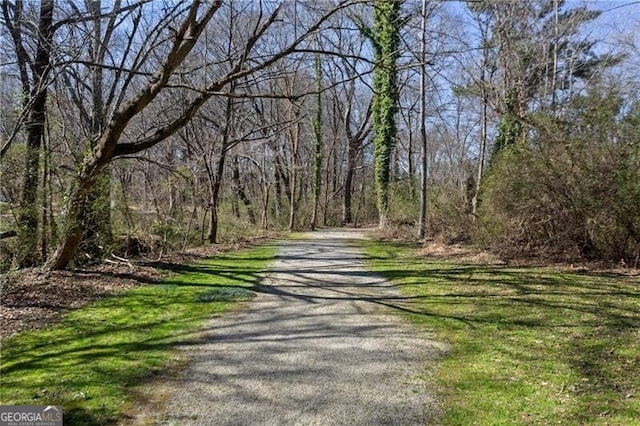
424	190
183	40
317	133
34	93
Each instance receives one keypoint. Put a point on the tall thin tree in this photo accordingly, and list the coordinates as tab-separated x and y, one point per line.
34	92
422	222
317	133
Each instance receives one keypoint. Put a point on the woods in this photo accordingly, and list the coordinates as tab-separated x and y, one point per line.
136	127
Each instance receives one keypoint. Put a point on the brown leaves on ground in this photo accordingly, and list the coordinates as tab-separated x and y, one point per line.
465	253
459	253
32	299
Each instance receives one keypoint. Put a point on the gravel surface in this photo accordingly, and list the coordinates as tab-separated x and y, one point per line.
320	345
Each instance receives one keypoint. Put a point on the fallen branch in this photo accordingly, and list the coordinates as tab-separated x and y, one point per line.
7	234
119	261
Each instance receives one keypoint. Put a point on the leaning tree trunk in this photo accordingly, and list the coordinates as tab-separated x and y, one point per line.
107	147
76	205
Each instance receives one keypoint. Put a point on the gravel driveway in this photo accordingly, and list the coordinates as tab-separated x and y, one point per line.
320	345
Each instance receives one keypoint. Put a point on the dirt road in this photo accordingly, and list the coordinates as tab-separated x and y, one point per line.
318	346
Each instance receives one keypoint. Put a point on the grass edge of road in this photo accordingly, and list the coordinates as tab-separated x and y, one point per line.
93	361
526	345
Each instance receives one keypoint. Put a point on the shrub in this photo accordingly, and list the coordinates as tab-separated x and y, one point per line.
575	189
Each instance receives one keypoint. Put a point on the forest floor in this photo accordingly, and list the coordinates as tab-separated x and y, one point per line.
488	342
33	299
319	345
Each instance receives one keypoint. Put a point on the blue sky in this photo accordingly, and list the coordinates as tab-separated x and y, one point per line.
619	17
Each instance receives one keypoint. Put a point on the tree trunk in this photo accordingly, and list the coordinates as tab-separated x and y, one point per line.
97	218
293	175
216	181
410	165
76	206
317	127
47	217
278	187
28	218
386	44
264	219
240	192
483	149
235	206
212	237
347	216
422	223
104	151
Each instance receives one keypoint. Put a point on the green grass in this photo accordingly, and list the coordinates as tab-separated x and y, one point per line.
526	345
90	362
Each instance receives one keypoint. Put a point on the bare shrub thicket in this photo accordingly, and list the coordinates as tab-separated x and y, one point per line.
574	189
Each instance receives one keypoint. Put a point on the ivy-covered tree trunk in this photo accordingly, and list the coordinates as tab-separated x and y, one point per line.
96	219
385	38
510	129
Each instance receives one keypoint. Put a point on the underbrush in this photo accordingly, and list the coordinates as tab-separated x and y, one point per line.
573	190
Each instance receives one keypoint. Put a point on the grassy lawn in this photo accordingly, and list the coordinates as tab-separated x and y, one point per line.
89	362
527	345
